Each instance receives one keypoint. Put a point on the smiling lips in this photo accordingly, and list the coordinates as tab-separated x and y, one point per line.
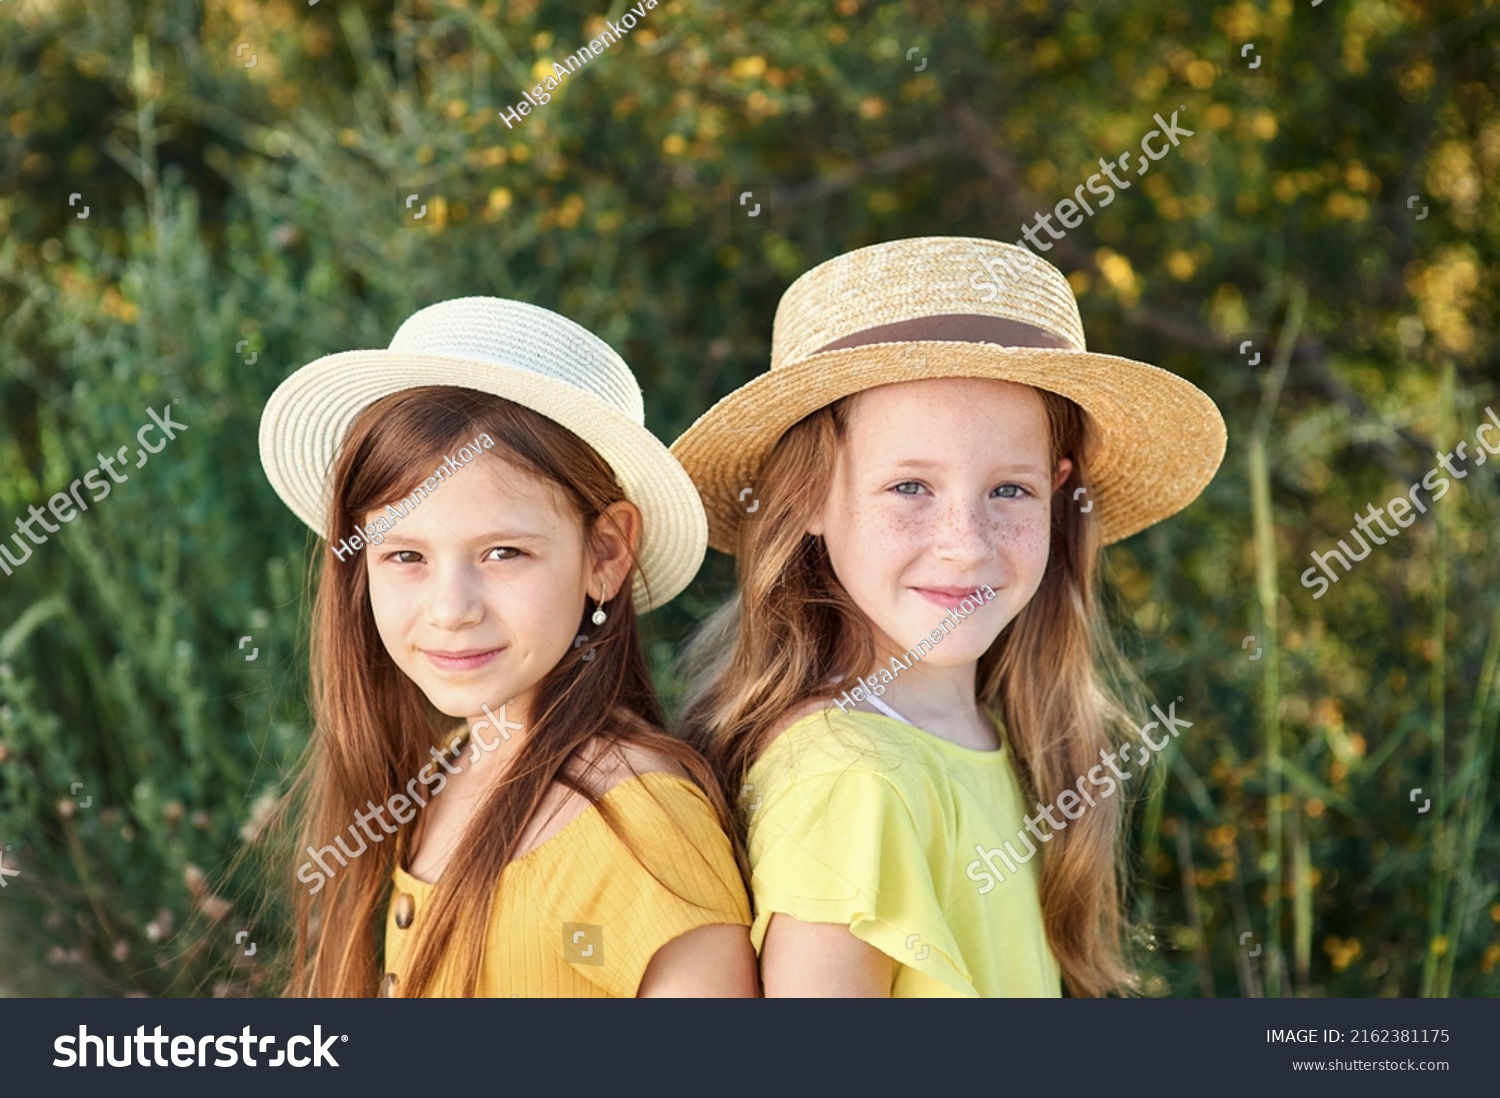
946	597
467	660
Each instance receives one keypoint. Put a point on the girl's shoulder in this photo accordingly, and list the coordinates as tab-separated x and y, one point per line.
819	735
790	717
602	765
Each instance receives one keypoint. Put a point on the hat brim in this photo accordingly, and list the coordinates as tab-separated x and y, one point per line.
1160	438
307	416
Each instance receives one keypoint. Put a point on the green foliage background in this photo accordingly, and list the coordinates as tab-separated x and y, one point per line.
262	204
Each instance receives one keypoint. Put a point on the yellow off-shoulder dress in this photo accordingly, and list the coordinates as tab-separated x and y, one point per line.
861	819
579	916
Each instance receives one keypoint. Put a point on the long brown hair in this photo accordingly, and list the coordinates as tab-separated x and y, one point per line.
374	727
793	627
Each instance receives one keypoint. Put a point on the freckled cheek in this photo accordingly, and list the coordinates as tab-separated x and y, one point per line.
874	541
893	524
1025	541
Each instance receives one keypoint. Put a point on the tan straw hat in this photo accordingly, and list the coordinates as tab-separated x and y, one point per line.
521	352
953	306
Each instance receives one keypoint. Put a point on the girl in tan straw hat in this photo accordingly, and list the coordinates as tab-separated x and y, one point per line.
494	514
917	494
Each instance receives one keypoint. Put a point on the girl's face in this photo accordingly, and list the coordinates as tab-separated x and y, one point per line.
939	488
478	591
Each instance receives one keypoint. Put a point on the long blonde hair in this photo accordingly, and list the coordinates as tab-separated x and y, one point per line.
793	627
374	727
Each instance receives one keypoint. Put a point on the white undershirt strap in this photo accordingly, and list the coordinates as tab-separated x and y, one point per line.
887	710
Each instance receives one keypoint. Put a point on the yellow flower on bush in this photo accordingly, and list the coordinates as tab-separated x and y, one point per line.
115	304
1341	952
745	68
497	203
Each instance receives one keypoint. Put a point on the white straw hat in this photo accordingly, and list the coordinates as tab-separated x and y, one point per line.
521	352
954	306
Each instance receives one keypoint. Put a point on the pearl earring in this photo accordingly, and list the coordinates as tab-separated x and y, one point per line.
599	615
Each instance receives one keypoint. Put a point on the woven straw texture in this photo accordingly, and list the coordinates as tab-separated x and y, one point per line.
523	353
1160	438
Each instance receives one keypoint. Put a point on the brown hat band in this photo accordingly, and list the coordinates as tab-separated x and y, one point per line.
955	328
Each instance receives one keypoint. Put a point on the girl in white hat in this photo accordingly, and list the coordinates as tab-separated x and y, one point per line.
488	769
905	696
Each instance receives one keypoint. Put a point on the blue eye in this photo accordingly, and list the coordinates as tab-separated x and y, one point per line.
906	484
1011	491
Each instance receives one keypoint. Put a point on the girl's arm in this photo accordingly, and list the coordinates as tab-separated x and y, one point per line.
709	962
821	960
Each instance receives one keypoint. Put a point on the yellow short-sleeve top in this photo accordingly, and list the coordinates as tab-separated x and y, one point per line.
860	819
579	916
